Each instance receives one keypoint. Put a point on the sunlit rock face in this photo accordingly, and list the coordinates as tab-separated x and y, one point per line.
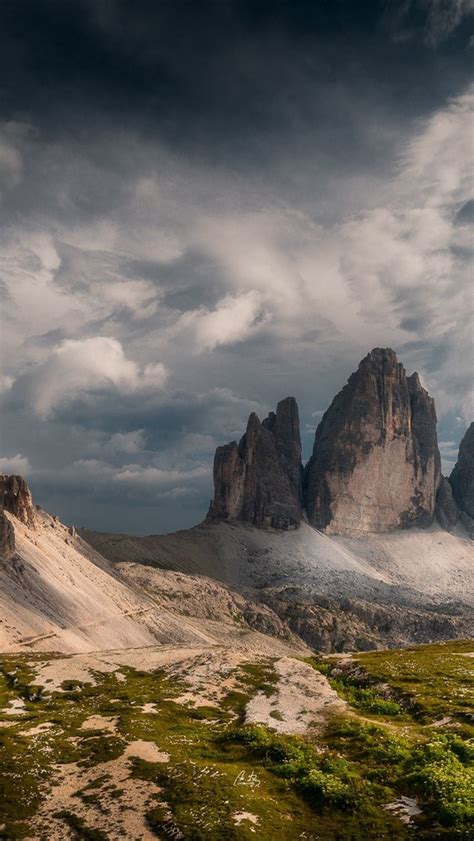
259	480
375	465
462	480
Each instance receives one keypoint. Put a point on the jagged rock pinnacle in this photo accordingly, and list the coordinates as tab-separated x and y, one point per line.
259	481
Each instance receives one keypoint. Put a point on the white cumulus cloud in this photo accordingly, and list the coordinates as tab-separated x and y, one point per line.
86	365
18	465
234	319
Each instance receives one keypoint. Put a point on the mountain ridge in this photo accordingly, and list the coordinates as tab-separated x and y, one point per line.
375	466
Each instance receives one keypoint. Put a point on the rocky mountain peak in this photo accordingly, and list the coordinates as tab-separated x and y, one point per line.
16	498
375	464
462	480
259	481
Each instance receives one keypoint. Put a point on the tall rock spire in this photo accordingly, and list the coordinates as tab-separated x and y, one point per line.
375	464
259	481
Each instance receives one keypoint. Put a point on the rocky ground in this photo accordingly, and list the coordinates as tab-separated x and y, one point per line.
336	593
57	593
217	583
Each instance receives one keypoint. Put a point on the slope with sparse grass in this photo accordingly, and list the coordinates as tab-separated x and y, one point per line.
155	748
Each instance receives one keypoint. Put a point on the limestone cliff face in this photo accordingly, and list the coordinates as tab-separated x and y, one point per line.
462	480
259	481
375	465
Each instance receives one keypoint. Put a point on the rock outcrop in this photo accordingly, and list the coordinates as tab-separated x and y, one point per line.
462	481
447	512
15	497
7	537
375	465
259	480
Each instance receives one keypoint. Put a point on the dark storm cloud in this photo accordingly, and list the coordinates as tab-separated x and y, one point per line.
243	75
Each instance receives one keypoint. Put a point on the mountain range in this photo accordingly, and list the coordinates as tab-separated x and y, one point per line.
366	546
375	465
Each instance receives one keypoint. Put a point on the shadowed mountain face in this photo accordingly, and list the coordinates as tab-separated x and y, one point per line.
462	480
375	465
259	481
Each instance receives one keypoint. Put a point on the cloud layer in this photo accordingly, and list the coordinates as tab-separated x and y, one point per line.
185	262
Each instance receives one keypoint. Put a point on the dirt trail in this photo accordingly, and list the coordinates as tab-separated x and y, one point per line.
84	625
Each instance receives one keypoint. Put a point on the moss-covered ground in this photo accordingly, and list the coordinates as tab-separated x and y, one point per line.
331	785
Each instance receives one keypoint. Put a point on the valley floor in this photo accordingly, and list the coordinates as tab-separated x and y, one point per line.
204	742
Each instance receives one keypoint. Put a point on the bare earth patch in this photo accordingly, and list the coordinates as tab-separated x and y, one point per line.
106	796
38	729
303	697
210	675
100	722
16	707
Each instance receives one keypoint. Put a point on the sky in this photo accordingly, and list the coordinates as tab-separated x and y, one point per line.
207	206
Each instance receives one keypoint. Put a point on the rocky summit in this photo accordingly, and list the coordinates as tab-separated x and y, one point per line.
375	465
462	481
259	480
